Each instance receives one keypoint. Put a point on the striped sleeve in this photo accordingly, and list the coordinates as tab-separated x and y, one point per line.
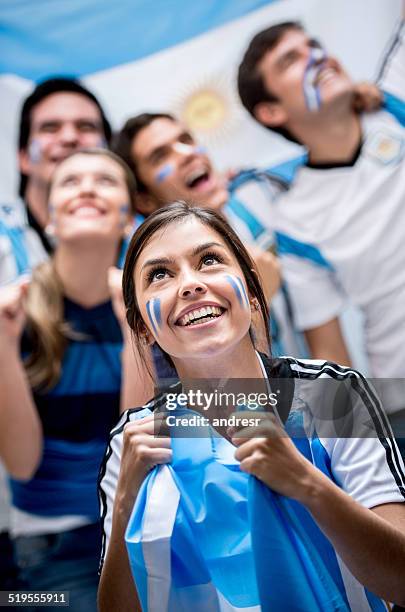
353	428
109	472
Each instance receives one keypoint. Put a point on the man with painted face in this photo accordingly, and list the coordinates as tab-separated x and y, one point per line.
169	165
57	118
342	224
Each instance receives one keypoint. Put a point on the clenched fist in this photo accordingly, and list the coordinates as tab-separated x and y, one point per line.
12	315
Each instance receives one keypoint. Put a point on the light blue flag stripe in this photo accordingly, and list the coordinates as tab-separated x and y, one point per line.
289	568
85	36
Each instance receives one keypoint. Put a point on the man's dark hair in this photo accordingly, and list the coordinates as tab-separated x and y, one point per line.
123	140
251	87
42	91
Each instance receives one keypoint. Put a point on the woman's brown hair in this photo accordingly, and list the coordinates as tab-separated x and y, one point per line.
179	212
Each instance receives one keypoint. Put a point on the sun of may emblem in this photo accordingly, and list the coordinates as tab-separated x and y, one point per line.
209	108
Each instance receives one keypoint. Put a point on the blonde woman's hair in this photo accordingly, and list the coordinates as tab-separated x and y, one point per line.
46	328
48	332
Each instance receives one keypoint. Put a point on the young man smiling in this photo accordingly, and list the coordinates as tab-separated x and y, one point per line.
57	118
342	223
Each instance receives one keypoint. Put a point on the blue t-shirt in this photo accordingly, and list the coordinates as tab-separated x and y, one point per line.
76	415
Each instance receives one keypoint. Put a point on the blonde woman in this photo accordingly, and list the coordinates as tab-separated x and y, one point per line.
62	343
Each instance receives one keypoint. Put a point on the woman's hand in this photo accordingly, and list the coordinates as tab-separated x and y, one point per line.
12	315
142	451
267	452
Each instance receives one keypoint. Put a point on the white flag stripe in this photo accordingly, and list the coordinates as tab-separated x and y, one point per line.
153	84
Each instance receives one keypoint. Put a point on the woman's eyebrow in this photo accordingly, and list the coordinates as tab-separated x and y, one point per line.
206	245
157	261
169	260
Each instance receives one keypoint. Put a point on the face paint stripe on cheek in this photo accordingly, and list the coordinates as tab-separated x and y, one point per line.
311	91
233	282
35	151
124	210
242	286
164	172
149	307
156	311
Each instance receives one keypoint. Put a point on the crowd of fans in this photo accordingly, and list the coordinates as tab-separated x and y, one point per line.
332	235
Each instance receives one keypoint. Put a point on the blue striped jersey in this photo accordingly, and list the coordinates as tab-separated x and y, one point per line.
76	416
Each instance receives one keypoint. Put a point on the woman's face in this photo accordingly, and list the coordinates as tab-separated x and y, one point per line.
191	291
89	198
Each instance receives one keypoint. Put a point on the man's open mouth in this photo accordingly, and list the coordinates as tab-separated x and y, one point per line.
197	179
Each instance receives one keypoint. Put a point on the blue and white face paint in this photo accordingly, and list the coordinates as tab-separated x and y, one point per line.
312	93
35	151
124	211
239	289
164	173
154	314
184	149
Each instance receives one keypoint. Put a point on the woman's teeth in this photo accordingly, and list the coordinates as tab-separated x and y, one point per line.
200	315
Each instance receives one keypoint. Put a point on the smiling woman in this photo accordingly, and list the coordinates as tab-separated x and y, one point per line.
205	274
63	343
190	286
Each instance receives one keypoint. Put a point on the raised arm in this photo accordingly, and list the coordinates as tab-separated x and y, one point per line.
20	428
326	342
317	301
137	386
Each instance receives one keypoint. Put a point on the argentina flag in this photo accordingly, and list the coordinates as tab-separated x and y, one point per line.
170	55
206	537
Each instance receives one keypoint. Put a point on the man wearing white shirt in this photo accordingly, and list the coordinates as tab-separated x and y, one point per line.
342	224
